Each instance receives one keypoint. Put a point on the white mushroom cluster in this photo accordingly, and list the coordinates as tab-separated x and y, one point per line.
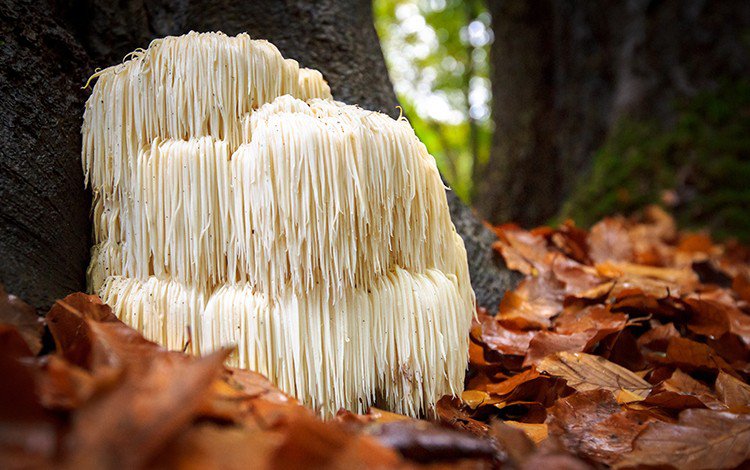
234	202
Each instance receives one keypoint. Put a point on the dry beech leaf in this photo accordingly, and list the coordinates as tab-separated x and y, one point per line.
592	424
610	241
741	285
537	432
680	391
15	312
694	356
513	441
734	393
476	398
522	250
587	372
503	339
701	439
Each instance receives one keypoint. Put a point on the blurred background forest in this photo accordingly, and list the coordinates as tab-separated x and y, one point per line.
541	111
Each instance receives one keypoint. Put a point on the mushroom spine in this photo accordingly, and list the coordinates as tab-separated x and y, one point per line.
234	202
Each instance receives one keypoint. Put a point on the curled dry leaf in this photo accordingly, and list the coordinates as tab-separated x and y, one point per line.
587	372
16	313
734	393
680	392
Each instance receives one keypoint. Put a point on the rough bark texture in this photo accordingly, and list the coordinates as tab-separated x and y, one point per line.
565	72
44	228
335	37
521	180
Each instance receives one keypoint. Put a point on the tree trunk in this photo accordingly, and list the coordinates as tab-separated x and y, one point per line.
521	178
565	72
44	211
336	37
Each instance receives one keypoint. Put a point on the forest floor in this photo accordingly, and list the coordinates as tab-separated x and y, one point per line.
626	345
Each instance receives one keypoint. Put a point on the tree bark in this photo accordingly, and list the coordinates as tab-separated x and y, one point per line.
521	179
336	37
44	224
564	73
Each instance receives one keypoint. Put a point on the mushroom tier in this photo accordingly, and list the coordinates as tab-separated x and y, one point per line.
327	194
314	235
394	344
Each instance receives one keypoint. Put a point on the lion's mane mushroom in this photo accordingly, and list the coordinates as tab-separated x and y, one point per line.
236	203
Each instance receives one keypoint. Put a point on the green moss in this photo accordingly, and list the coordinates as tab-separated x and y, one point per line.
699	167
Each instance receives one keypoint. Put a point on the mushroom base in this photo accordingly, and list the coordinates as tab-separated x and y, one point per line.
404	340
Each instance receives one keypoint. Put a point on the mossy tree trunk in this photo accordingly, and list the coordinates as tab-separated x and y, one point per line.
566	73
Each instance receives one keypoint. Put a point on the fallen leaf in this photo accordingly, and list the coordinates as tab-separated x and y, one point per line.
537	432
586	372
693	356
128	426
593	425
504	339
545	343
657	338
741	285
310	443
424	442
701	439
680	391
734	393
610	240
22	316
450	412
513	441
531	305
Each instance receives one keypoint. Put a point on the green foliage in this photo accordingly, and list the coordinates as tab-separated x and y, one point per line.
699	168
441	75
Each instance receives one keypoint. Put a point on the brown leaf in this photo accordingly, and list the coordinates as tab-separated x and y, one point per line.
504	339
17	313
741	285
130	424
67	323
680	392
610	241
424	442
701	439
592	424
657	338
693	356
578	278
596	317
450	412
734	393
28	433
546	343
516	444
537	432
656	281
212	446
311	443
65	386
531	305
522	250
586	372
572	241
528	387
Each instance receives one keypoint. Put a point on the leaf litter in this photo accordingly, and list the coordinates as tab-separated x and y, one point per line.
625	346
